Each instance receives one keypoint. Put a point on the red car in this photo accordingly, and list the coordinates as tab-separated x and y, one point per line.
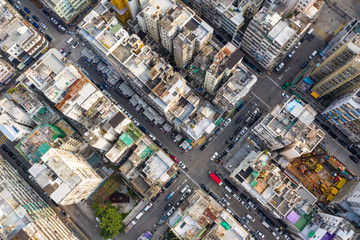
174	158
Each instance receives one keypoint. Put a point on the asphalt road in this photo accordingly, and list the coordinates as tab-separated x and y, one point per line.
265	95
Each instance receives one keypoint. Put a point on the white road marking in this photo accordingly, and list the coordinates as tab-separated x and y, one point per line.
274	82
281	77
190	178
287	69
261	100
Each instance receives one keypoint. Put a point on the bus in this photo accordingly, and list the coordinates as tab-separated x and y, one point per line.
216	178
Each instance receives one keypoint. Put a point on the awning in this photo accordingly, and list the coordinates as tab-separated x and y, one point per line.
167	127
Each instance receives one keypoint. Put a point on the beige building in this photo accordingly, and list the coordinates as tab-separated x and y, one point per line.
24	214
290	126
67	178
224	63
6	71
340	72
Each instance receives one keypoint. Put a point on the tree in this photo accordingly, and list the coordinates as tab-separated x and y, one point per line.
111	223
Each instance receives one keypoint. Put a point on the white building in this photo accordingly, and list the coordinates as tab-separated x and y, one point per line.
19	38
24	214
290	126
235	89
224	63
67	178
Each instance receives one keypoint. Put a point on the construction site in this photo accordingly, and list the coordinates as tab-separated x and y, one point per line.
323	175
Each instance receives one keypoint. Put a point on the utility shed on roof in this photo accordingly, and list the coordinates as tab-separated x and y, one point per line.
281	33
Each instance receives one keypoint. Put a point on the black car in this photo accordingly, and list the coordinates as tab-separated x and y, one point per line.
206	189
12	155
304	65
202	148
213	196
169	205
18	163
5	148
243	196
231	146
25	169
46	12
237	218
217	132
237	131
354	159
228	141
22	13
326	128
353	151
261	214
48	38
239	119
35	18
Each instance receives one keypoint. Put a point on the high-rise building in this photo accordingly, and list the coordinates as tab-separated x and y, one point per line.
24	214
344	35
339	73
66	177
172	23
290	125
344	113
122	10
225	62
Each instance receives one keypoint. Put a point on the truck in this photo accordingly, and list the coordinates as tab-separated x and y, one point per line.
130	226
216	178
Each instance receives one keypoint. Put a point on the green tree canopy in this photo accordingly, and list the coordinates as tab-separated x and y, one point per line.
111	220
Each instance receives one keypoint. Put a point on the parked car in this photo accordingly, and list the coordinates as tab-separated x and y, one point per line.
202	148
298	45
342	142
75	45
218	131
170	195
26	10
225	201
29	19
285	95
332	134
69	32
252	205
35	25
35	18
22	13
291	54
237	139
206	189
304	65
214	156
227	196
243	131
182	165
169	205
54	20
43	26
279	67
237	131
239	119
260	233
46	12
62	28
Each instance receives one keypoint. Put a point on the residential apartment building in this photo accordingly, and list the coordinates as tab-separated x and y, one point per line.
67	10
122	10
204	218
66	177
18	38
249	7
6	71
195	35
273	188
343	36
24	214
269	37
14	122
290	126
172	23
224	63
235	89
339	73
353	199
344	113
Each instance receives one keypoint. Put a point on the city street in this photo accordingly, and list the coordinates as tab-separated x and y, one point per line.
265	95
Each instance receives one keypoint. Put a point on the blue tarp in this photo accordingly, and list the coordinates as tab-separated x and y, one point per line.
308	81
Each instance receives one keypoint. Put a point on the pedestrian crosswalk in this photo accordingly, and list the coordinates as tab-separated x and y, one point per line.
3	139
323	33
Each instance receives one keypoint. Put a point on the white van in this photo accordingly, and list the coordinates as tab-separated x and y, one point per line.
313	55
139	215
184	188
251	218
228	189
70	41
148	207
310	31
266	225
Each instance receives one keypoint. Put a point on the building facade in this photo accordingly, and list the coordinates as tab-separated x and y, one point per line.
24	214
339	73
